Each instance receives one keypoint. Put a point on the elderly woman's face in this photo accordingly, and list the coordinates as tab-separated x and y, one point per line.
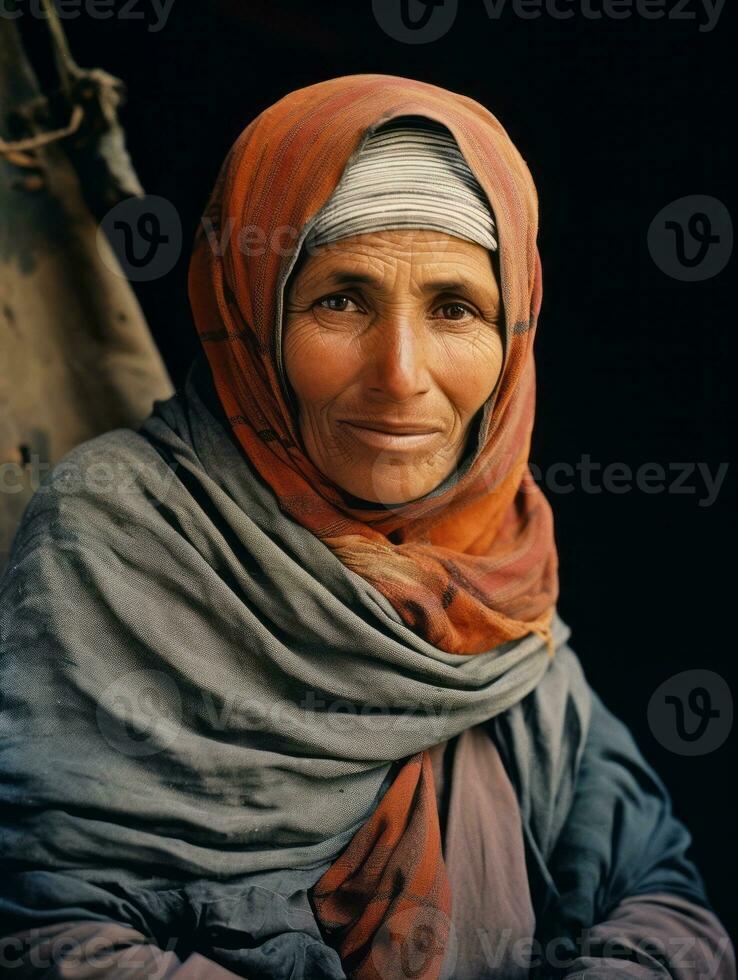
392	343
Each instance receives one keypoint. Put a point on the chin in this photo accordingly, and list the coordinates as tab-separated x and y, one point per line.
390	495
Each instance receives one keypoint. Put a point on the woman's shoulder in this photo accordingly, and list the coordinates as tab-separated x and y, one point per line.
103	474
117	480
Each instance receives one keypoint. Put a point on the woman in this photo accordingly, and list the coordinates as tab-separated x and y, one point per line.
286	691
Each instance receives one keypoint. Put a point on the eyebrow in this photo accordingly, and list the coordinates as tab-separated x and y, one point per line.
351	279
432	286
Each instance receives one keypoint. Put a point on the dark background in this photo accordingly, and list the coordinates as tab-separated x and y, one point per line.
616	118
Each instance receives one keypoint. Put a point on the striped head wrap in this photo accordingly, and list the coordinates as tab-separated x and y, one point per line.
410	174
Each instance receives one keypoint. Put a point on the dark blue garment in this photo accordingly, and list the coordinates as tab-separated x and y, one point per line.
620	839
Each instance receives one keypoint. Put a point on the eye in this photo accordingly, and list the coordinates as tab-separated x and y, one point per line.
338	303
456	311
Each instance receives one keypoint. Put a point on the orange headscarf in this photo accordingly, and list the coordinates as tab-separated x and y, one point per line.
468	569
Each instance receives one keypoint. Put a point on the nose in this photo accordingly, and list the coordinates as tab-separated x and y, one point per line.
399	353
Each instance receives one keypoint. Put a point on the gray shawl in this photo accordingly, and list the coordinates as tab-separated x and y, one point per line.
201	705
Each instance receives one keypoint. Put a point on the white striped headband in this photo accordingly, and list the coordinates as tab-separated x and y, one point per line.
410	173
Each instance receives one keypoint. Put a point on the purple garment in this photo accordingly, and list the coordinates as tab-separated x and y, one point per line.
89	950
655	936
491	913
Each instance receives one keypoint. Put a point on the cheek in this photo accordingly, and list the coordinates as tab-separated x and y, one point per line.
470	371
319	365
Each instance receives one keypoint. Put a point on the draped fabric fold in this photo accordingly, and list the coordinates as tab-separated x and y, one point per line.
369	919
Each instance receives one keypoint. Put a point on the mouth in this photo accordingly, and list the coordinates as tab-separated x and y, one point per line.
403	438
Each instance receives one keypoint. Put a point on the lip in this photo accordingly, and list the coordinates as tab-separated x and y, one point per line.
399	437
